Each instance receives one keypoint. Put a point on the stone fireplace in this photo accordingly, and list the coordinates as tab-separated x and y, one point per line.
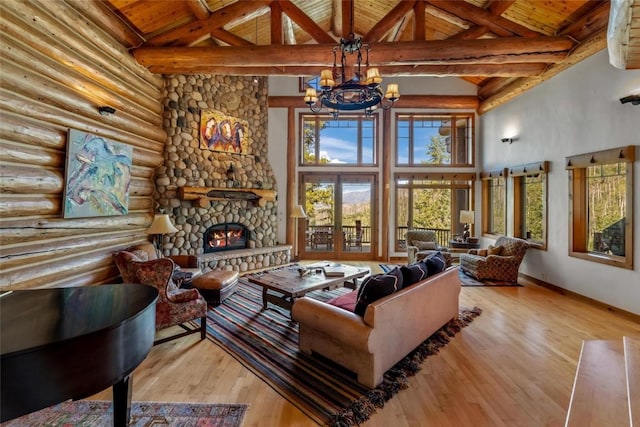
188	164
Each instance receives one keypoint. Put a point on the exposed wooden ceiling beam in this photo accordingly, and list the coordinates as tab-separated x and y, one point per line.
229	38
198	7
383	26
445	70
430	52
419	10
276	23
306	23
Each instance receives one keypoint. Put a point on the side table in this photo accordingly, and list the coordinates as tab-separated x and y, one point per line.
454	244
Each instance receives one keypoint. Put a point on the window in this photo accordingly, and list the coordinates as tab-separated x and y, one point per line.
305	82
350	140
442	140
601	206
494	202
530	202
431	202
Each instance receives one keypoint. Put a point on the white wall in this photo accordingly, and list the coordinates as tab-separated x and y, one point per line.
575	112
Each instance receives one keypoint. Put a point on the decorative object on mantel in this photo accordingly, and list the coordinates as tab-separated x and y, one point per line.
466	218
633	99
105	110
98	176
201	196
161	225
338	93
220	132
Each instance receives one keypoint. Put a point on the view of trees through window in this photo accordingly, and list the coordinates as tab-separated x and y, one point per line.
533	207
497	206
347	140
606	195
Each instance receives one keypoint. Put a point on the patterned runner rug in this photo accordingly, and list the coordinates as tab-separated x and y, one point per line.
99	413
266	342
464	279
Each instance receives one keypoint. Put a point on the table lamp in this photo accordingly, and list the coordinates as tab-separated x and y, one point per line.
297	212
161	225
466	218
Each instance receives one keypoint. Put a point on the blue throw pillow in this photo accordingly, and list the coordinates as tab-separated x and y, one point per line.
375	287
435	263
413	273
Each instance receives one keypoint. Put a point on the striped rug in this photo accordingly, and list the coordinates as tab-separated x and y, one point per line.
266	343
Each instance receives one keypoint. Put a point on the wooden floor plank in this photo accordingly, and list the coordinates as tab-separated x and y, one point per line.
513	366
632	362
599	395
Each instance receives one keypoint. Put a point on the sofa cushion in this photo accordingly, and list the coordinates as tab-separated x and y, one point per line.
375	287
423	246
346	301
435	263
413	273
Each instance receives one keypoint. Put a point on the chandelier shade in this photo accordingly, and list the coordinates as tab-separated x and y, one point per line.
339	94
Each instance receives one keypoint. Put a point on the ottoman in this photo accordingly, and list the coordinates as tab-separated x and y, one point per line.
215	286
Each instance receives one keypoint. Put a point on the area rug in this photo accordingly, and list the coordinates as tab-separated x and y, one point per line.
99	413
464	279
266	342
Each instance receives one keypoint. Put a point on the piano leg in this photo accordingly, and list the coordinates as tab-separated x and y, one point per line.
122	401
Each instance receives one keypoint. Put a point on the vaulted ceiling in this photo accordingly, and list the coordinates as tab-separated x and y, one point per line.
502	46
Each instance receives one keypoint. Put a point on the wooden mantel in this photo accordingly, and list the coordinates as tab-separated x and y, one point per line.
202	196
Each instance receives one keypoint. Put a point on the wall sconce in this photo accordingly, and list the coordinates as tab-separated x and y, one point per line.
509	140
633	99
106	110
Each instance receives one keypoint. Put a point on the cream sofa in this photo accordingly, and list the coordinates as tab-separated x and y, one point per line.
391	327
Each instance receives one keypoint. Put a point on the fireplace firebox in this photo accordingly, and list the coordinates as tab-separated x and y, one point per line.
225	237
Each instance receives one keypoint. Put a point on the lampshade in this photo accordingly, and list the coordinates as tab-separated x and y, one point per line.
311	96
326	79
161	225
373	76
298	212
467	217
392	92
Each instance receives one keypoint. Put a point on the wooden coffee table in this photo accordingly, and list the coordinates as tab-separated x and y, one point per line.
288	284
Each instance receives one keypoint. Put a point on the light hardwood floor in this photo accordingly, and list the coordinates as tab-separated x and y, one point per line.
513	366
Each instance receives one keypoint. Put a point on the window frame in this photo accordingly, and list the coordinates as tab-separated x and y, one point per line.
451	117
360	118
470	177
576	167
486	179
518	175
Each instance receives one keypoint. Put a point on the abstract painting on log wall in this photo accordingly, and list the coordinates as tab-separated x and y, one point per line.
98	176
219	132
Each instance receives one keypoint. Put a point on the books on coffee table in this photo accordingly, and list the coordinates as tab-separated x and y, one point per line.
334	271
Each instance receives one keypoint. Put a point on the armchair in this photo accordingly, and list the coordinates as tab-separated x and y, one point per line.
499	262
421	243
175	306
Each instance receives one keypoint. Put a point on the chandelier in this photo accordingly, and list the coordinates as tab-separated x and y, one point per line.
339	94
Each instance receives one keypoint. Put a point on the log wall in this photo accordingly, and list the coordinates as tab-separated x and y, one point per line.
57	68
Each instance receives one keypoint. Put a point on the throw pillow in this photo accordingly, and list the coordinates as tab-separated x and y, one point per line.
346	301
124	261
435	264
424	246
413	273
494	250
375	287
481	252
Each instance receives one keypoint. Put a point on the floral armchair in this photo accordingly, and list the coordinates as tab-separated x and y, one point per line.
175	306
499	262
424	241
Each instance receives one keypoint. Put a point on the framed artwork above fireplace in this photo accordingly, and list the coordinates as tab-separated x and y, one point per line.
220	132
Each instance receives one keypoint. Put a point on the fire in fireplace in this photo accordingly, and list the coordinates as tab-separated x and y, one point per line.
224	237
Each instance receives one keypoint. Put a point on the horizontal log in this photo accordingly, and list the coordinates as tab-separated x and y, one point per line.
24	82
99	276
444	70
24	230
140	187
89	89
29	204
68	46
405	101
429	52
13	152
215	193
34	109
28	180
17	128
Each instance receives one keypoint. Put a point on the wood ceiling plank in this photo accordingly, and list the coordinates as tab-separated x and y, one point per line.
382	27
306	23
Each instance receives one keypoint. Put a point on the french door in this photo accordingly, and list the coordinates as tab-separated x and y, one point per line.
341	216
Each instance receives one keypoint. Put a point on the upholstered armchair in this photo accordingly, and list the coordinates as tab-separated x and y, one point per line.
499	262
175	306
424	242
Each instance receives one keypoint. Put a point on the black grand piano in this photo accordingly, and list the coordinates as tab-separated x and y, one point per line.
70	343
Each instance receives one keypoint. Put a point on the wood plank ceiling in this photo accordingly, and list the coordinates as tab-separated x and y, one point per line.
502	46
